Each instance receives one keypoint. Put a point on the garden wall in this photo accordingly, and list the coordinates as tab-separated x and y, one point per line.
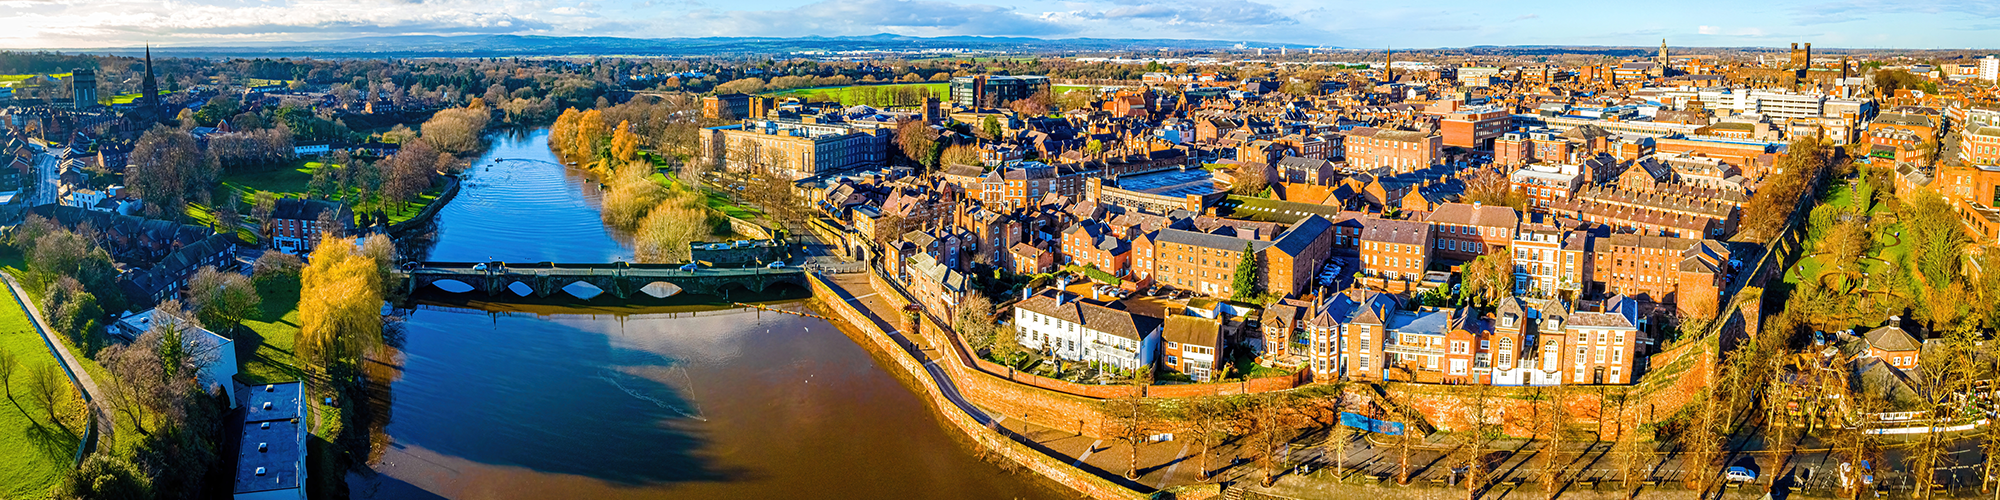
1679	377
1050	402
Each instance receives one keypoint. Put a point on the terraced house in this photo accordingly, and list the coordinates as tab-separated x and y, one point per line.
1071	328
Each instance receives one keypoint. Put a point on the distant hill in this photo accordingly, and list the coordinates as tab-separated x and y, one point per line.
520	45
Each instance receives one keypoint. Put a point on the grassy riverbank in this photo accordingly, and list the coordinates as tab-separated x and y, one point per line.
291	182
33	452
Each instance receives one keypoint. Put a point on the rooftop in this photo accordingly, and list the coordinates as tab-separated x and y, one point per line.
272	450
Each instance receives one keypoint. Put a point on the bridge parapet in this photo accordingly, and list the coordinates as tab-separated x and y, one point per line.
617	279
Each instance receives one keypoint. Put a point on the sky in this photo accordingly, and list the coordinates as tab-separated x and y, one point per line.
1928	24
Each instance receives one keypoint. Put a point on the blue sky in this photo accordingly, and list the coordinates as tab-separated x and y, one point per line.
1343	23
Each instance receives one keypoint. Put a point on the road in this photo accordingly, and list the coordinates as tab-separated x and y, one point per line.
48	179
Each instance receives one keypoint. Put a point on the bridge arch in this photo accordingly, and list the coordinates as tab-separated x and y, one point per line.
660	289
582	290
520	288
453	286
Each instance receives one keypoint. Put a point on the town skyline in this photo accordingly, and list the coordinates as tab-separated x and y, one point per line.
1955	24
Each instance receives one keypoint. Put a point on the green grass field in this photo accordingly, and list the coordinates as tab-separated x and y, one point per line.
264	344
8	79
848	96
290	182
716	199
33	452
124	98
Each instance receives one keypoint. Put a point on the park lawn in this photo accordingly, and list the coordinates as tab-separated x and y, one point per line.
33	454
264	344
125	98
846	94
291	182
716	199
16	78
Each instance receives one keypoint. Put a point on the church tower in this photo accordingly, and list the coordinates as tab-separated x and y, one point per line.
1388	65
149	90
1664	62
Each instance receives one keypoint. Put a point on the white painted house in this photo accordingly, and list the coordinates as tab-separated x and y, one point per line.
1074	329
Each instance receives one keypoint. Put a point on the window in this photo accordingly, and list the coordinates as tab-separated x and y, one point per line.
1617	354
1600	354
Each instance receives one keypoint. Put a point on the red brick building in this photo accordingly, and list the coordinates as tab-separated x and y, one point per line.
1461	231
1395	250
1474	128
1398	150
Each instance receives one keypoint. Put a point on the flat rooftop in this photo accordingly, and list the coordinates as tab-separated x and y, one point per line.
271	453
1173	183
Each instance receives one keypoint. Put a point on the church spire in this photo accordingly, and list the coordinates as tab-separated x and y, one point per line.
1389	64
149	89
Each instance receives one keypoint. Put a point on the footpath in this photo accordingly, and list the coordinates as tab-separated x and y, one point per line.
1162	465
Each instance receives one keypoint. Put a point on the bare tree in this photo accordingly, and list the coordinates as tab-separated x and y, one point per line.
1211	418
1130	420
9	362
47	388
1552	414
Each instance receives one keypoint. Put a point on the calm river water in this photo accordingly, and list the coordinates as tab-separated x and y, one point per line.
595	403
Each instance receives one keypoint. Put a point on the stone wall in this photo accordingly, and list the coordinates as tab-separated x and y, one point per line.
1054	468
1049	402
424	217
1681	375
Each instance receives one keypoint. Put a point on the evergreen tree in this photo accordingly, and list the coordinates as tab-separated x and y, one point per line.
1244	286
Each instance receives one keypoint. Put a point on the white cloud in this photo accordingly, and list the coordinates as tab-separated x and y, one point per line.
1709	30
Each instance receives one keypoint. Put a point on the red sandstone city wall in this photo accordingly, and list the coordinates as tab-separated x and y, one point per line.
1053	468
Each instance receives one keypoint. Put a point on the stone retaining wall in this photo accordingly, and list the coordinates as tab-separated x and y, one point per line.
1054	468
431	210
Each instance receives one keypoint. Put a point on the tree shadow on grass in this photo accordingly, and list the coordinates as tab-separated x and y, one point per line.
53	443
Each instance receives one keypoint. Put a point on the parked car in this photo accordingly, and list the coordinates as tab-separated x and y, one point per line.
777	265
1740	474
479	267
691	267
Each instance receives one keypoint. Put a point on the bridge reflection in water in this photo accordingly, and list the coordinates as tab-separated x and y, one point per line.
586	281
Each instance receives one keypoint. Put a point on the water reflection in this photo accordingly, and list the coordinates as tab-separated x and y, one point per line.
607	401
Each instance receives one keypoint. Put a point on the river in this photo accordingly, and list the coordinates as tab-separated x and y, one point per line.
500	403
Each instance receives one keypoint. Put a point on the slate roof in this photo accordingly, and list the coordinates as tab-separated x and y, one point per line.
1090	315
1207	240
1193	330
1295	240
1620	312
1466	214
1394	231
1891	338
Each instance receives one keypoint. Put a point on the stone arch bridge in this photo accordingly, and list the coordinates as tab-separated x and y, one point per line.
586	281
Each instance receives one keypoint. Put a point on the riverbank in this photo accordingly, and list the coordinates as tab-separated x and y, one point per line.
34	453
918	365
